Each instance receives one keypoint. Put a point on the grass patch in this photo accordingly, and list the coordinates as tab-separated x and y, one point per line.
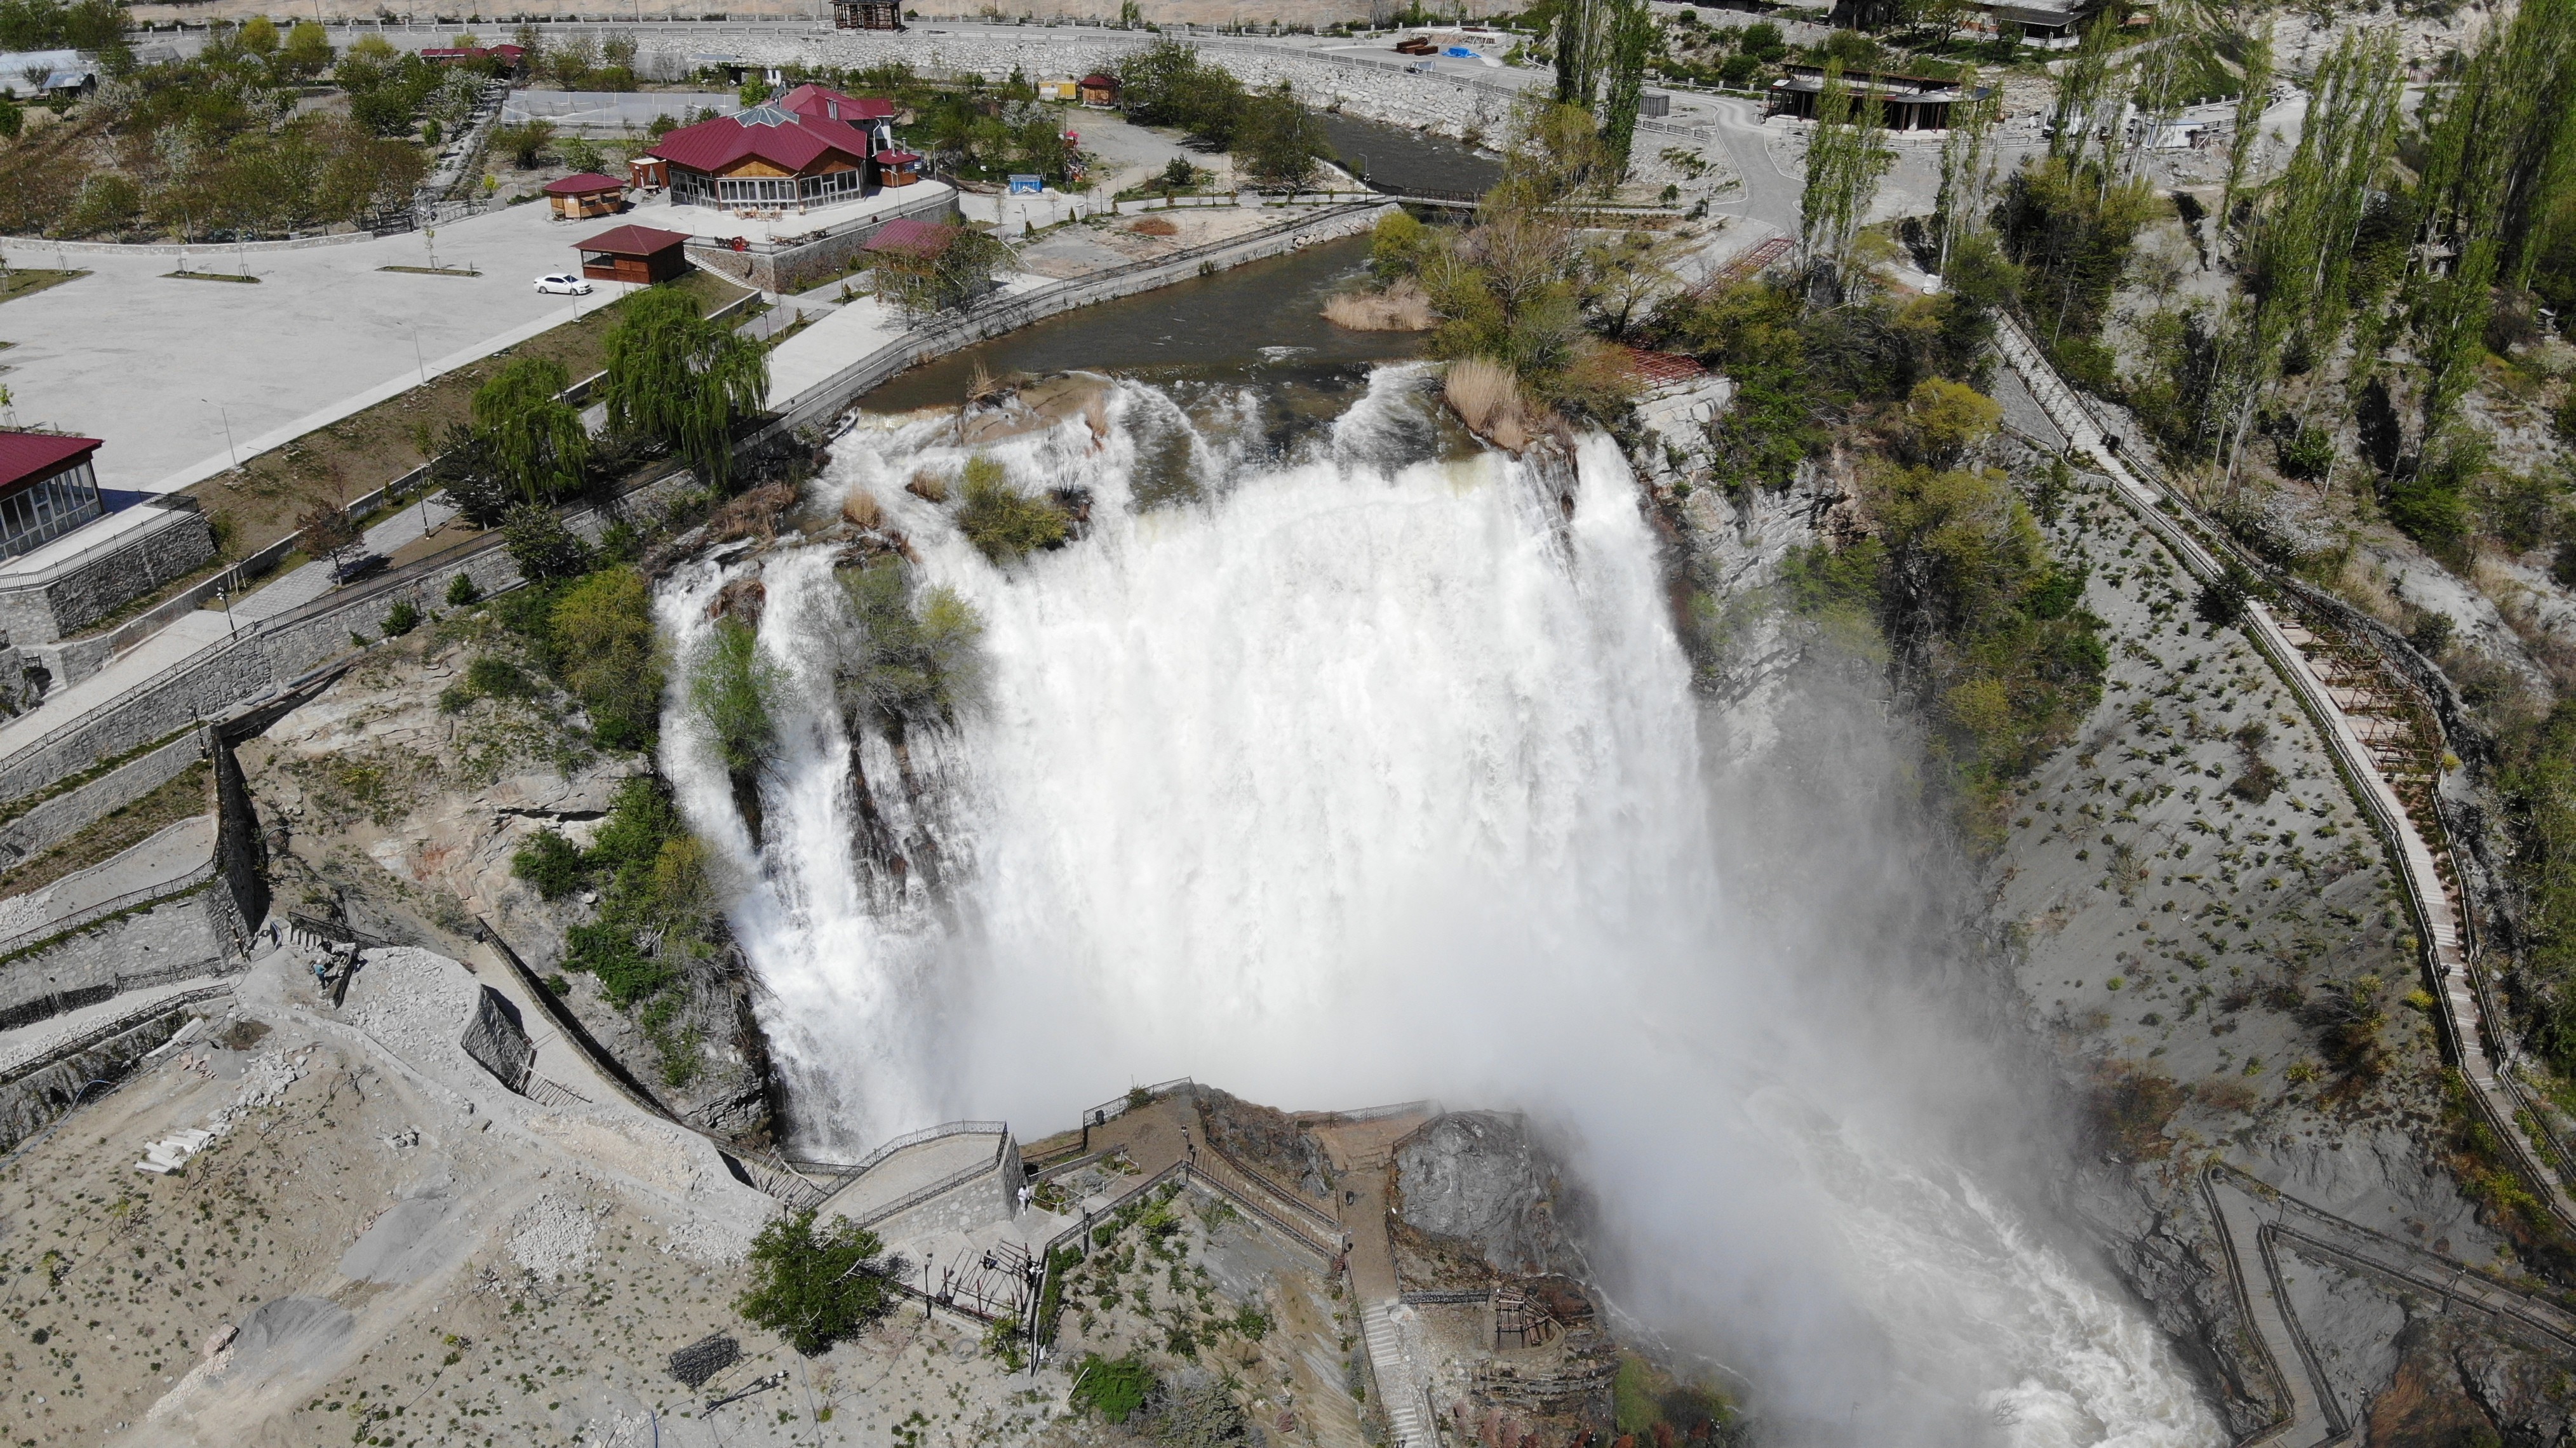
198	276
26	282
365	451
181	796
434	271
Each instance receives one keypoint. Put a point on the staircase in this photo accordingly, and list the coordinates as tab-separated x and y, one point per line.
1394	1374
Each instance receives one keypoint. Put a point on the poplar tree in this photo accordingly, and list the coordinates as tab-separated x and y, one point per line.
1845	160
2500	147
1967	170
1581	37
2250	105
1632	43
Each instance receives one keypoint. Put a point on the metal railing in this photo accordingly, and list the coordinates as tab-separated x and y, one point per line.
108	1030
2156	504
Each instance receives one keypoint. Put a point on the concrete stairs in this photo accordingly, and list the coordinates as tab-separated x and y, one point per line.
1405	1413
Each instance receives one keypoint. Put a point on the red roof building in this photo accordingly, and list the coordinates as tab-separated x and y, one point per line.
586	194
47	488
809	147
639	254
906	234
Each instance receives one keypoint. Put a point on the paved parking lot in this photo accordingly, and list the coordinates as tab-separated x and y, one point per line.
153	363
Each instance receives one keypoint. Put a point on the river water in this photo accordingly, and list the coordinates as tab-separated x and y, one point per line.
1362	768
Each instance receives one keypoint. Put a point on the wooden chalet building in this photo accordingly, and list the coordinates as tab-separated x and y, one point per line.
639	254
48	487
807	148
1906	102
867	14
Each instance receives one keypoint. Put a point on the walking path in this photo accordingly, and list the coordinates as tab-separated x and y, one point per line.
2288	645
170	855
1363	1151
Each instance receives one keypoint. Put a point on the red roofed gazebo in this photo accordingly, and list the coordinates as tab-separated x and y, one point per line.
641	254
586	194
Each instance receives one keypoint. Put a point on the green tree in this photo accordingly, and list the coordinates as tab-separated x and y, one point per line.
530	435
542	546
1631	43
731	691
815	1286
906	656
1845	159
1278	141
1581	36
946	268
1948	418
608	653
327	531
677	377
308	51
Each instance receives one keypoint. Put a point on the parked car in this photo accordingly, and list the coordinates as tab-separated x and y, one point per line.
565	285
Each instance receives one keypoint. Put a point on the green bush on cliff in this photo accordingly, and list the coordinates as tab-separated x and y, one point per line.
1980	625
659	912
1000	520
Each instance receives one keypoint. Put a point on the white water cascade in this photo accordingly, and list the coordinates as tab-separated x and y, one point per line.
1366	776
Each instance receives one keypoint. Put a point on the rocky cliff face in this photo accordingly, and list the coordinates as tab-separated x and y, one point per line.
1474	1180
399	817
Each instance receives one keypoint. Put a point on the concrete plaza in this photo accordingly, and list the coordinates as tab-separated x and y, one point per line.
157	365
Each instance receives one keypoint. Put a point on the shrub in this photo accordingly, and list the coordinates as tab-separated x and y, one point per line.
494	677
401	619
604	647
461	591
542	546
1947	418
1117	1387
731	691
1001	521
815	1287
2309	454
551	863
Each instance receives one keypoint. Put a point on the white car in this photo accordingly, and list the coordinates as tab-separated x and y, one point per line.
565	285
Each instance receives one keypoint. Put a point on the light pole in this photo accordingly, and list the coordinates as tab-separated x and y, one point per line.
230	451
416	352
225	598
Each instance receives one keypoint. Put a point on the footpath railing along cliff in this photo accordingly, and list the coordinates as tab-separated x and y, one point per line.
2201	547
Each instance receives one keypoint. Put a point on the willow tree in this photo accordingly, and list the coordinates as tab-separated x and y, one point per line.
675	375
1845	160
1632	44
531	437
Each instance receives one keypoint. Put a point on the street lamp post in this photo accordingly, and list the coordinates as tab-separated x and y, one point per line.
231	452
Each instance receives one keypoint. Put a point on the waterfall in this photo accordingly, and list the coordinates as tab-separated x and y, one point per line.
1363	772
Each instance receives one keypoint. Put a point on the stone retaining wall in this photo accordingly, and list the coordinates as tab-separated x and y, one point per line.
31	1103
193	930
65	815
150	555
795	268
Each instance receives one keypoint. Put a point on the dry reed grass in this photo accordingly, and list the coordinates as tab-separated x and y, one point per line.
1400	308
929	486
1154	226
1487	397
861	508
